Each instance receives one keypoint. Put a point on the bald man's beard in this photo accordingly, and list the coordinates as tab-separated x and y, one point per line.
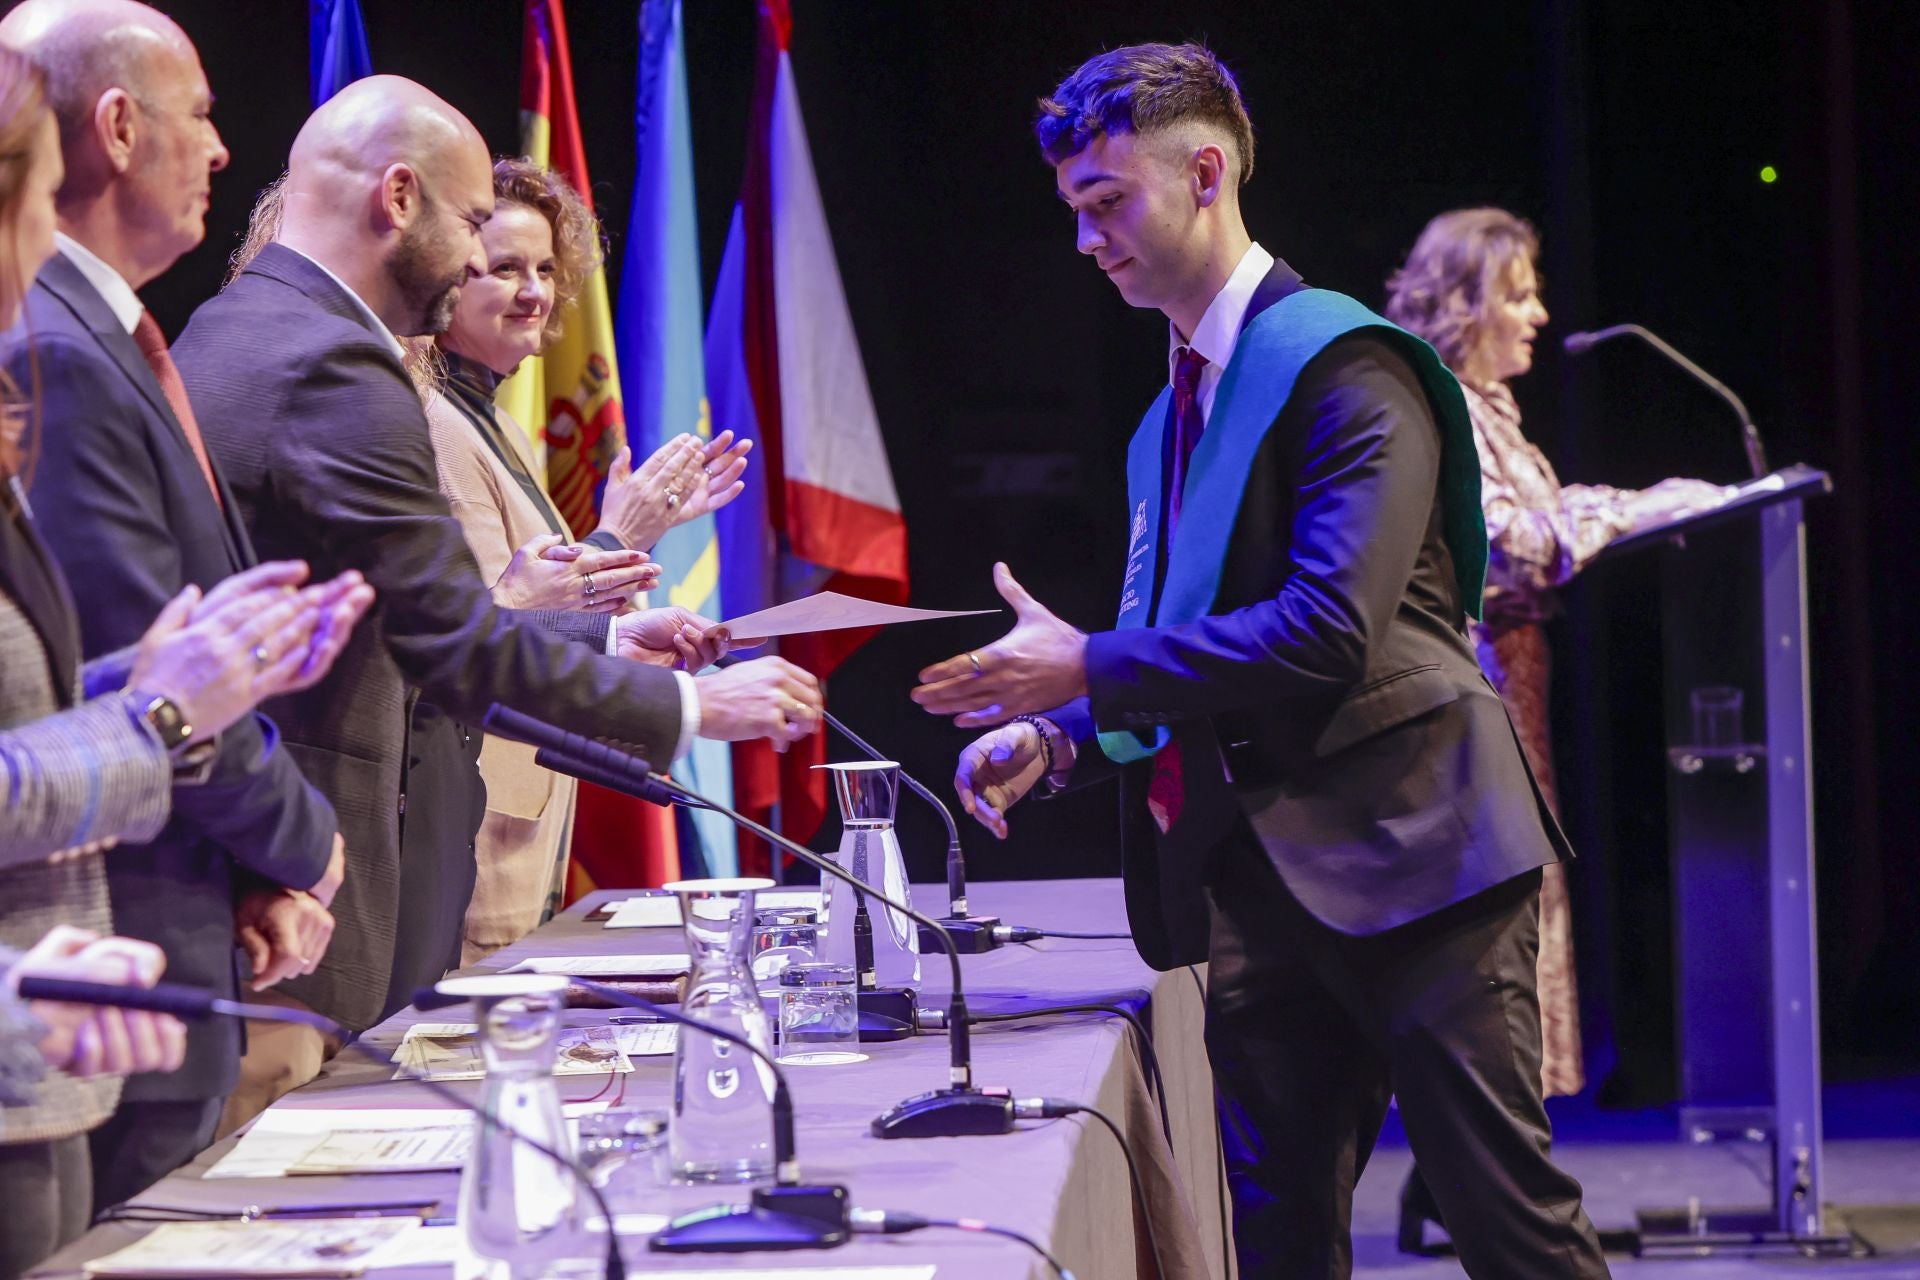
430	289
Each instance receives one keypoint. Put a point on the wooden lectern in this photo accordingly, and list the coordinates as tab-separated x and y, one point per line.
1740	805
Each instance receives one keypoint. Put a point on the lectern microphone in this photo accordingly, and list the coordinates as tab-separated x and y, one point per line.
1579	343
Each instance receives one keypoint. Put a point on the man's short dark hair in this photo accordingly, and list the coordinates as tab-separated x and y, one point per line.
1141	89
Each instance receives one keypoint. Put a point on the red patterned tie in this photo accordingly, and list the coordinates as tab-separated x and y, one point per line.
153	345
1167	790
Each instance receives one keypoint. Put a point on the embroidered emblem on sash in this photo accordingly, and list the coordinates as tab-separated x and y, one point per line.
1137	557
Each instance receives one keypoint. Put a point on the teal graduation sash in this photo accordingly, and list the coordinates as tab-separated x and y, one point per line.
1254	387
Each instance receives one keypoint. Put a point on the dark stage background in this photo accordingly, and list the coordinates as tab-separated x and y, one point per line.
1007	373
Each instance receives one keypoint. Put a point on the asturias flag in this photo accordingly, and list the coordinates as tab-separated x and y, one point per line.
783	368
337	47
570	397
659	343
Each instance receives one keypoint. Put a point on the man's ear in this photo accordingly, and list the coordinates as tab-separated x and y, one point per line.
1209	167
400	198
115	128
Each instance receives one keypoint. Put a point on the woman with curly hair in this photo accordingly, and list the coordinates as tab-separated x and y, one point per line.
542	244
1470	288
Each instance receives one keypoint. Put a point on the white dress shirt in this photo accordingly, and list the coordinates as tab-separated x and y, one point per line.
108	283
1218	332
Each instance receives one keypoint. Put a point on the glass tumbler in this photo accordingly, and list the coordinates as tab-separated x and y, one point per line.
819	1015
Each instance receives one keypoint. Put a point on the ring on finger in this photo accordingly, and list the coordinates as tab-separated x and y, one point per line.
673	500
591	588
260	655
974	660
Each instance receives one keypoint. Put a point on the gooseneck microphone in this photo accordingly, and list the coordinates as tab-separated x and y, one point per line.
195	1004
958	1110
1580	343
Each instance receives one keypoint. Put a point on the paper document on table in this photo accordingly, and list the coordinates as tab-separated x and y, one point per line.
646	913
787	900
831	611
278	1248
284	1133
647	1039
661	966
344	1151
451	1051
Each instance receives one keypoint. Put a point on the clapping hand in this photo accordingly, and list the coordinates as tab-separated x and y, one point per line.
1038	665
551	573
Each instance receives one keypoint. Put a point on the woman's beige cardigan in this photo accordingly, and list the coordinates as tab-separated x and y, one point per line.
522	844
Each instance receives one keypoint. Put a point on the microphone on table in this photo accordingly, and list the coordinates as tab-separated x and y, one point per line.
1580	343
784	1216
958	1110
196	1004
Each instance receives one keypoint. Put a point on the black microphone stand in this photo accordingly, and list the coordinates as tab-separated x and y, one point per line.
1578	343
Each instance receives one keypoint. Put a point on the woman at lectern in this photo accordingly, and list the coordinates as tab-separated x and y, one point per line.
1471	290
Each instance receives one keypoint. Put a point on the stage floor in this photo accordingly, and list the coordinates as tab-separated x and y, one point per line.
1631	1160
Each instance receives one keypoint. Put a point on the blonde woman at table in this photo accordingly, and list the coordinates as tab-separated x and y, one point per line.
1470	289
542	244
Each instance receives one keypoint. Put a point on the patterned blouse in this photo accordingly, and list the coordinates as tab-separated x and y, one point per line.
1539	531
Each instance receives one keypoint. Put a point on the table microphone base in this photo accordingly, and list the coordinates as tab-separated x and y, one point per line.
777	1220
972	935
886	1013
947	1113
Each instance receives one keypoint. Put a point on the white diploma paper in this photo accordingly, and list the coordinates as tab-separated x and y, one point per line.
647	1039
660	966
831	611
344	1151
646	913
315	1247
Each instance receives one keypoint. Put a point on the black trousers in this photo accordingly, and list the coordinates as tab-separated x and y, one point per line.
144	1140
446	801
1312	1031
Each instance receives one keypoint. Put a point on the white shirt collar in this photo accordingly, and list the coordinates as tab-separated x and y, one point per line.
108	283
379	325
1219	329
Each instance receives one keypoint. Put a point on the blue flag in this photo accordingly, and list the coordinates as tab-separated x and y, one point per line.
657	337
337	51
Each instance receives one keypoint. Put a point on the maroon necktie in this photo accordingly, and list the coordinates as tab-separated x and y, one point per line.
153	345
1167	790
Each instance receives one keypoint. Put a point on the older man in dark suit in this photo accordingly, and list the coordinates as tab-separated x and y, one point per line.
1321	794
297	376
134	510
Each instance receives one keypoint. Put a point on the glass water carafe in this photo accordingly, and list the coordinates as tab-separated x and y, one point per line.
519	1214
722	1128
869	851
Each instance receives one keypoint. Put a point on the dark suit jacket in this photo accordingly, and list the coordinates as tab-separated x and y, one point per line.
121	501
1331	701
325	442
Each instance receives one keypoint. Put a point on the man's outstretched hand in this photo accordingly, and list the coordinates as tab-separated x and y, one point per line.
1038	665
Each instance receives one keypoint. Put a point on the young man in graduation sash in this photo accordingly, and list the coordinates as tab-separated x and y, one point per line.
1321	795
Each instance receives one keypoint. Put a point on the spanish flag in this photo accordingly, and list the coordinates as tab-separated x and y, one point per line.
570	399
